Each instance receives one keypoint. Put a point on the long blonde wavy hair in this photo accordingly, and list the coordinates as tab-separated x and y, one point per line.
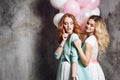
61	27
101	33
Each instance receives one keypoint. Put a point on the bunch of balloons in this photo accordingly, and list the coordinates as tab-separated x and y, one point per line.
81	9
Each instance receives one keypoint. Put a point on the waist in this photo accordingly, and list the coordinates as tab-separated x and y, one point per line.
94	61
63	59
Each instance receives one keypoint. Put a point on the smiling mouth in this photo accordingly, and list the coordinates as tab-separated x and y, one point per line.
69	28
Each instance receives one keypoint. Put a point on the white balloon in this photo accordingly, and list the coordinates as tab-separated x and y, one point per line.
57	18
96	11
88	14
58	4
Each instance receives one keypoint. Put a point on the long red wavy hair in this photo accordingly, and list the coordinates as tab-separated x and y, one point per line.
61	27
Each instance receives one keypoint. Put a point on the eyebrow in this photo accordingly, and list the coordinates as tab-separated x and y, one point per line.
68	22
90	24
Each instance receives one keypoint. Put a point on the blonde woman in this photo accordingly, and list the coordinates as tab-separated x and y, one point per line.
69	67
97	39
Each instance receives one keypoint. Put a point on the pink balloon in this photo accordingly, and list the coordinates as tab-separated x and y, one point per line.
71	7
81	23
83	3
93	4
82	28
80	19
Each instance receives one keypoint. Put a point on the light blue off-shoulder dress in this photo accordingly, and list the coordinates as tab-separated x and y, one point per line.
70	55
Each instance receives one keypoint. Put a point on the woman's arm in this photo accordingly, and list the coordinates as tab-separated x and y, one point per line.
84	56
74	55
61	45
60	48
74	59
74	70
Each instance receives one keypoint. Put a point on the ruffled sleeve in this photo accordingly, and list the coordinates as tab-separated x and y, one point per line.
90	40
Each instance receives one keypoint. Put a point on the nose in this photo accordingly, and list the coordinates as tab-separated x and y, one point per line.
68	25
87	25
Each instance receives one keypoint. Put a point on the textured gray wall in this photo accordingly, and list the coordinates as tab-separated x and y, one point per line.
111	60
18	27
27	40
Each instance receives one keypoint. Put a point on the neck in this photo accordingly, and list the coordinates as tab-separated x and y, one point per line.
89	34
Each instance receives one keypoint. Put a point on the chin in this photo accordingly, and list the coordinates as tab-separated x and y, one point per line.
70	32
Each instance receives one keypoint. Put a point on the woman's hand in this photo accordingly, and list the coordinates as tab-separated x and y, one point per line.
77	43
64	35
73	78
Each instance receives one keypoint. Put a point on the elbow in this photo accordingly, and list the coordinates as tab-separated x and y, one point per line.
57	56
86	63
